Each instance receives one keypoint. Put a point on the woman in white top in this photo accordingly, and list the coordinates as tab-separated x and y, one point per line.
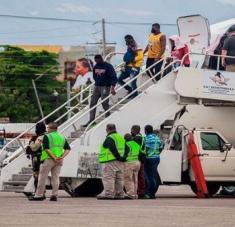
83	71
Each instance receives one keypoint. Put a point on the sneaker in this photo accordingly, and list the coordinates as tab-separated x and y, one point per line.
146	196
28	194
33	198
105	198
141	196
53	198
128	197
119	197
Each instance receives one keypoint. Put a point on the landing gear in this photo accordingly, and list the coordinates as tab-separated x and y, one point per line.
212	188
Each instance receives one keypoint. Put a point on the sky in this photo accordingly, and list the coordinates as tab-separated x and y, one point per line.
28	31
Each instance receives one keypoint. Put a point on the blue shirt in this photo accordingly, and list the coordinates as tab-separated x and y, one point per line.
152	143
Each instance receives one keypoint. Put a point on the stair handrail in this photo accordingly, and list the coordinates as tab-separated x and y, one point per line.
107	98
87	98
111	54
43	119
56	110
207	54
123	99
73	107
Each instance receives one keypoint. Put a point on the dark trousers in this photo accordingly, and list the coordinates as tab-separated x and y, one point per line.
155	69
150	169
132	73
141	181
99	92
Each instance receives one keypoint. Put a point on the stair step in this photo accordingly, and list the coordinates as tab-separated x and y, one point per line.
11	188
15	183
21	177
70	139
124	101
76	134
26	170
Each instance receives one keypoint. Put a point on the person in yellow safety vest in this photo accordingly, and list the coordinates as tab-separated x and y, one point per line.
132	166
155	49
134	59
54	149
111	157
140	139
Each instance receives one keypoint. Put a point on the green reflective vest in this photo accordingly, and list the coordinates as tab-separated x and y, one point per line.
142	146
56	145
105	155
135	149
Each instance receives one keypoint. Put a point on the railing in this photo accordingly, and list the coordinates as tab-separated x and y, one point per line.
109	96
111	54
210	55
17	139
4	151
127	96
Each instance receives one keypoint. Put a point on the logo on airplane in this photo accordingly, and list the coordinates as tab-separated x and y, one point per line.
219	79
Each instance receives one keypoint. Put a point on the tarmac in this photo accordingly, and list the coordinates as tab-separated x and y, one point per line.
174	206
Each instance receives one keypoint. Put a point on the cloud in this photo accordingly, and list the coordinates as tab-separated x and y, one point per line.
73	8
136	12
33	12
227	2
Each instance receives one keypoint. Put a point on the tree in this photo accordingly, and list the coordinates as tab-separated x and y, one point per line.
17	97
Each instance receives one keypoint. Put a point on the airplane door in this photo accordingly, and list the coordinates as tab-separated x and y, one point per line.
195	31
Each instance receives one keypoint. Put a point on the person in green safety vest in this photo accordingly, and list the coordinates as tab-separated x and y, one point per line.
54	149
140	139
132	166
111	157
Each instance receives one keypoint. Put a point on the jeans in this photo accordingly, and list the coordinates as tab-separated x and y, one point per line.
155	69
150	169
99	92
132	73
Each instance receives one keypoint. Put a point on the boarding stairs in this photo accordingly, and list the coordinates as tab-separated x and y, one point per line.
73	131
156	103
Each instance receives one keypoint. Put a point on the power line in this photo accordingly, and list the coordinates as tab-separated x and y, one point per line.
39	30
82	21
45	37
47	18
137	23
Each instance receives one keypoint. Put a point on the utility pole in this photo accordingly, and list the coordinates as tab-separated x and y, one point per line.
102	42
103	37
36	91
37	98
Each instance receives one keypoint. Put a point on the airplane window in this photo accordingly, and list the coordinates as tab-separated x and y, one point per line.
211	141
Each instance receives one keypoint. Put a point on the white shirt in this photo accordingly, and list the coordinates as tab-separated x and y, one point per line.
83	80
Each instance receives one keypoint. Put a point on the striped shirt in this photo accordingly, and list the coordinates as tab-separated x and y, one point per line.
152	143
